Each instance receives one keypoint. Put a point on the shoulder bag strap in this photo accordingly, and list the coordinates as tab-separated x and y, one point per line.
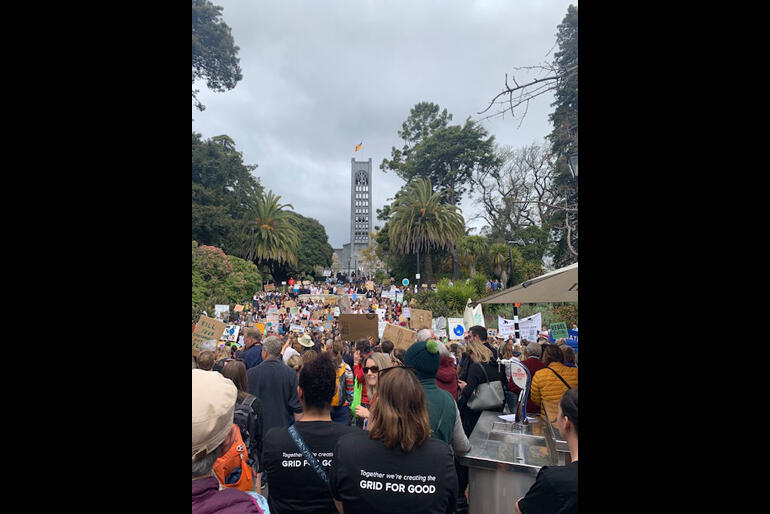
308	454
565	382
484	370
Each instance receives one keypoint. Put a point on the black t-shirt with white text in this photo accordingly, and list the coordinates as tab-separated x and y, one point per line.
368	477
555	490
293	484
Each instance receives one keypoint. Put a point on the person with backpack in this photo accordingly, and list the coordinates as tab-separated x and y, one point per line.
343	395
213	436
248	416
298	459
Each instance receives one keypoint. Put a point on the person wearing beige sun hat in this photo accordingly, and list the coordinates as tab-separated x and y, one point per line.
213	432
306	341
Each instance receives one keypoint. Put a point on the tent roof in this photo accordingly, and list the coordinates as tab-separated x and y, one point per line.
560	285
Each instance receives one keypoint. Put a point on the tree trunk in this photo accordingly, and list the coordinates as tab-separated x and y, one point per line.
455	262
428	269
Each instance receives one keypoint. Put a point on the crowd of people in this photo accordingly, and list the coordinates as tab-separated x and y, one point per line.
320	424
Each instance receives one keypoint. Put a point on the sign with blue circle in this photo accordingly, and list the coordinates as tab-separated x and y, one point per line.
405	281
459	330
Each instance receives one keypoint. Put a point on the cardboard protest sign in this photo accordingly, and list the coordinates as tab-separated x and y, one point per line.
370	285
317	314
559	330
238	308
358	326
269	287
331	299
305	282
399	336
261	327
420	319
282	310
290	304
207	328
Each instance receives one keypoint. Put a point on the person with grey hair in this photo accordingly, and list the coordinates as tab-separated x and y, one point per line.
275	384
424	335
534	364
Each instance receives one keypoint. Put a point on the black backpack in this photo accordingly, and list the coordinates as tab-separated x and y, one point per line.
247	420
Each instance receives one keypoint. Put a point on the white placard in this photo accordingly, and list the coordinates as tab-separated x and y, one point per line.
220	310
381	328
381	315
231	333
456	328
529	327
505	327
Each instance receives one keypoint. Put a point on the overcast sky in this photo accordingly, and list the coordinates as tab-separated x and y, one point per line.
320	77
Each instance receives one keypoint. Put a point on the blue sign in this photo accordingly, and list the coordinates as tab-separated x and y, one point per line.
458	330
405	281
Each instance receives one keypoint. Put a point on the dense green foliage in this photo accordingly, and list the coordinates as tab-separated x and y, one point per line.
224	193
314	250
421	222
220	279
214	53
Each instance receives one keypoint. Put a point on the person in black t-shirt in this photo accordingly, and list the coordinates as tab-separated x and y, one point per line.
396	466
556	487
294	485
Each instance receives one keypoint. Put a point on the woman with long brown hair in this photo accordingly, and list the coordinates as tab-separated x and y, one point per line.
397	466
375	363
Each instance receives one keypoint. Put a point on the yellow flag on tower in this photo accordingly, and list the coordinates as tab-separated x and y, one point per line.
358	146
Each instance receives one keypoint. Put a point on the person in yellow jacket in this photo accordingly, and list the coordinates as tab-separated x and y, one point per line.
550	383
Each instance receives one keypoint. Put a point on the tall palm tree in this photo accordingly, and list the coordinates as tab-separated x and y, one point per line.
274	238
498	255
421	222
471	248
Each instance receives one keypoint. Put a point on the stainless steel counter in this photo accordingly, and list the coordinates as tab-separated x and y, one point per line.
504	460
558	445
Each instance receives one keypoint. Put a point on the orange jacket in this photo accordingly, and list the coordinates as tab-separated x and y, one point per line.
546	387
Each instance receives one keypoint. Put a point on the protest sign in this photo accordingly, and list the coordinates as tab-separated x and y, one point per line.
439	326
456	328
261	327
473	316
559	330
505	327
407	313
399	297
269	287
420	319
364	302
290	304
317	314
381	314
370	285
272	319
381	328
337	312
221	311
231	333
206	328
296	328
530	326
238	308
399	336
358	326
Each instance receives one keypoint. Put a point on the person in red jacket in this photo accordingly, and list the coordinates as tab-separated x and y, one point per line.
446	377
363	351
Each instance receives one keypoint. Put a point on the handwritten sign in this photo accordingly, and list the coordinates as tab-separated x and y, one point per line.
207	328
231	333
399	336
559	330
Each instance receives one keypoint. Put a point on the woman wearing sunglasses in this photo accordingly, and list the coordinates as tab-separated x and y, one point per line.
375	363
397	466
